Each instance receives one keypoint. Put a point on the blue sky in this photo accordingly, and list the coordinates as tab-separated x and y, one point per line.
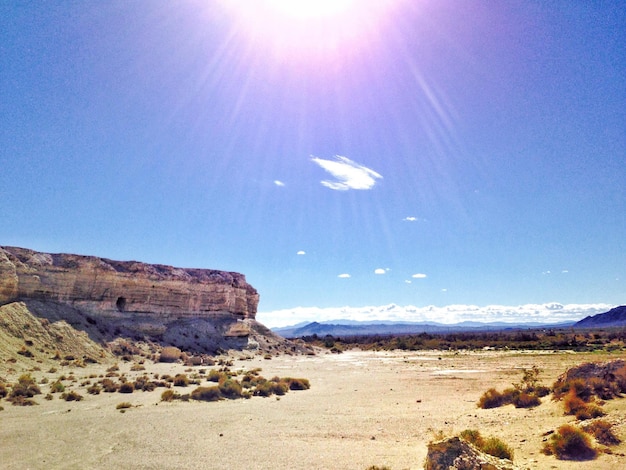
422	153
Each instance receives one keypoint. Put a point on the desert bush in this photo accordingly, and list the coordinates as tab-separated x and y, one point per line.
124	405
3	390
497	448
602	430
492	445
169	395
297	384
57	387
109	386
526	400
216	376
25	387
473	437
170	354
72	396
589	411
94	389
491	399
207	393
570	443
230	389
126	387
181	380
572	403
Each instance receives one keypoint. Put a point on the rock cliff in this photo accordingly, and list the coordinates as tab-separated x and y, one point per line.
197	309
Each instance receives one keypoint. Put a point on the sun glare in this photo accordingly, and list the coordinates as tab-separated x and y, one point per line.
306	28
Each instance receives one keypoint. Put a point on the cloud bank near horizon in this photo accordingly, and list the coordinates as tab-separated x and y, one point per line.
553	312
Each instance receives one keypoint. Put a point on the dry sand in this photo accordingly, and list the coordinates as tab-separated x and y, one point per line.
363	409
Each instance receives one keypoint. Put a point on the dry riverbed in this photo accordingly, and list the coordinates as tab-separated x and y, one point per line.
363	409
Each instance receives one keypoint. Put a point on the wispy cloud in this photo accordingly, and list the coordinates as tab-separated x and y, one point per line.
348	174
344	276
547	313
410	219
419	276
279	183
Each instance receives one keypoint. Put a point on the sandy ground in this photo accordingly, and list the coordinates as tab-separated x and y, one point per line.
363	409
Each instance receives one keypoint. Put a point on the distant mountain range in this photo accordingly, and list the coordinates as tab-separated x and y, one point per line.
612	318
355	328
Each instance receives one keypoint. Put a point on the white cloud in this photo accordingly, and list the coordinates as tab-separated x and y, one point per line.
344	276
407	281
410	219
301	253
279	183
347	174
379	271
547	313
419	276
565	271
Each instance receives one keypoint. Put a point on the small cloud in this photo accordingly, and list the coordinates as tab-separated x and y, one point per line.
444	290
410	219
279	183
347	174
546	272
407	281
565	271
419	276
379	271
301	253
344	276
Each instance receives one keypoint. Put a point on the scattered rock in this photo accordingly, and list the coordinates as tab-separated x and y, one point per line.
456	454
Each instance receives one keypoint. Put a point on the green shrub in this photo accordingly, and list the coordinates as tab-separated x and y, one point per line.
570	443
207	393
57	387
473	437
230	389
497	448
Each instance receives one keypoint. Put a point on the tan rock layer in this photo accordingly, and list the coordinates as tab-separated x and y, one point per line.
123	288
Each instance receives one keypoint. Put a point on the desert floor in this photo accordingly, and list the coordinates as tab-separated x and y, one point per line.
363	409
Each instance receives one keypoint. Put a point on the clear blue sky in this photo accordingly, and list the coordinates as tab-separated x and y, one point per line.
473	152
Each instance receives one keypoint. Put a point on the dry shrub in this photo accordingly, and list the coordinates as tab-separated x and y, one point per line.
207	394
602	430
181	380
492	445
169	395
526	400
497	448
72	396
170	354
122	406
589	411
297	384
570	443
126	387
230	389
491	399
572	403
23	390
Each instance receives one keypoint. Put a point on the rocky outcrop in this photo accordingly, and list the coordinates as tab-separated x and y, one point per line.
456	454
190	308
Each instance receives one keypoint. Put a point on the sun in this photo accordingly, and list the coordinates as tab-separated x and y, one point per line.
310	9
308	28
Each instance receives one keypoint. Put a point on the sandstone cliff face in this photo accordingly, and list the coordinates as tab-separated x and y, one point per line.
122	288
197	309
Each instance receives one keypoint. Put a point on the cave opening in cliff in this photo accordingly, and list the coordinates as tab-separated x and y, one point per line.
121	303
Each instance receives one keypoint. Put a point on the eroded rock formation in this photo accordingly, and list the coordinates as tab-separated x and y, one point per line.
191	308
456	454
